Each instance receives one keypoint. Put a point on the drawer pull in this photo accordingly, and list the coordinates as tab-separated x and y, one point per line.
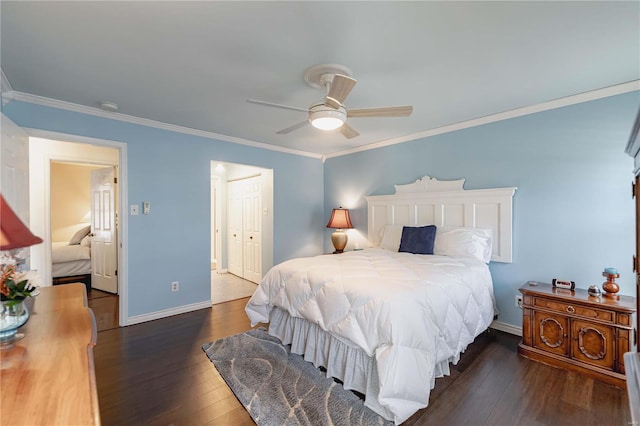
571	309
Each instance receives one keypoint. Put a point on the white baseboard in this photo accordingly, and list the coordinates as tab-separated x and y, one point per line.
168	312
507	328
223	271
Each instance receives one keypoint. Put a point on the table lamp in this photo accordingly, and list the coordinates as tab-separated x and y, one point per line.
339	220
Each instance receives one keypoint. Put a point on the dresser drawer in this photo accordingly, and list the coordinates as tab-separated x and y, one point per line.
573	309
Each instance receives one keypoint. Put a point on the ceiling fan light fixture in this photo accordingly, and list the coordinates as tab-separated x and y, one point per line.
326	123
324	118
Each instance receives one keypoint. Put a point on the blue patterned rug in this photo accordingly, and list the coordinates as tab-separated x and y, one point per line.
280	388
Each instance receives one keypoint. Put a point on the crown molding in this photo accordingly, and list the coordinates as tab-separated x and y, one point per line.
592	95
5	85
82	109
618	89
6	91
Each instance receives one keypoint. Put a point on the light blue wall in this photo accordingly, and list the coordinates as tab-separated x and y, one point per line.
172	171
573	212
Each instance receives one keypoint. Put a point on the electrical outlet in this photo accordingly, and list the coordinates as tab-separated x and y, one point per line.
519	300
175	286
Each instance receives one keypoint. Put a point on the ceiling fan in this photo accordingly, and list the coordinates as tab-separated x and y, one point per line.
331	113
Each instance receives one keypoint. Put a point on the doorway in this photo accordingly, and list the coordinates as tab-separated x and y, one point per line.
45	154
83	226
242	228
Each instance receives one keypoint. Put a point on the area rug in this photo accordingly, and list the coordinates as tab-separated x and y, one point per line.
280	388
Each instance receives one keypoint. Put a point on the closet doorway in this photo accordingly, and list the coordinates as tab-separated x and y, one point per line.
242	228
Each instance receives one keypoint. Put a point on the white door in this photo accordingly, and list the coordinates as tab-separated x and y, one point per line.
234	227
216	217
103	227
251	225
14	158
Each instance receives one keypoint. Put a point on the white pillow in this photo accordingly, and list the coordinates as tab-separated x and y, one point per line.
391	236
86	241
79	235
464	242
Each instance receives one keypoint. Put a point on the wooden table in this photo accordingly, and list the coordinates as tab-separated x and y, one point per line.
48	377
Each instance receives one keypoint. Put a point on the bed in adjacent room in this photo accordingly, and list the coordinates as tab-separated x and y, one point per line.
71	260
388	320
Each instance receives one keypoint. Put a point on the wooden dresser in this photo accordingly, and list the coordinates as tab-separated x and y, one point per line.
575	331
48	377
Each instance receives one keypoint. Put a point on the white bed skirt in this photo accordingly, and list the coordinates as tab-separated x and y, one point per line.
342	359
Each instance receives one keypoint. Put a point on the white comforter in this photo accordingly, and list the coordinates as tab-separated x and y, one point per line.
63	252
409	312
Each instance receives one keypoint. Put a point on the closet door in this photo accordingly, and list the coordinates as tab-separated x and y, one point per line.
244	228
251	224
234	227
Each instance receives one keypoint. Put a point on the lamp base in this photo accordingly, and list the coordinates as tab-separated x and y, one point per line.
339	239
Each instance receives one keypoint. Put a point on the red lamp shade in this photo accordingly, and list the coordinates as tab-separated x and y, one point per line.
13	233
340	219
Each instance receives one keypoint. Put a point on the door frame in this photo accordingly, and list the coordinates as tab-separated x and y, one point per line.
267	216
123	220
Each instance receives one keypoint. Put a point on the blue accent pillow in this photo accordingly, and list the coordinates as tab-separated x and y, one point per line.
418	239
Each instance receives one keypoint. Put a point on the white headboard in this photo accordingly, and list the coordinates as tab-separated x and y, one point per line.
445	204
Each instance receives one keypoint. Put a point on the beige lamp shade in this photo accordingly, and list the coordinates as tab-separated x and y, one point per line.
13	233
339	220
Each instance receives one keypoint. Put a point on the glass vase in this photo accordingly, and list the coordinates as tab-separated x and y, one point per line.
14	315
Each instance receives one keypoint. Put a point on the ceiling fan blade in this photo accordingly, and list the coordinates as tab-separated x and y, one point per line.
271	104
348	131
292	128
401	111
332	103
340	88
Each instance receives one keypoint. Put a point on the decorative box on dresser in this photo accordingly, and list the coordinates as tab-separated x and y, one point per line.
632	359
48	377
575	331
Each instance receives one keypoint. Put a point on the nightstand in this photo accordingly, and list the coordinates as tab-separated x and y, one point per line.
575	331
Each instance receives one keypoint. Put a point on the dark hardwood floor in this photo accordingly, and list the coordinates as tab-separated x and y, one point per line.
105	308
156	373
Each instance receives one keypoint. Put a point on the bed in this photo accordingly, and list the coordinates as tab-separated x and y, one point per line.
71	260
388	322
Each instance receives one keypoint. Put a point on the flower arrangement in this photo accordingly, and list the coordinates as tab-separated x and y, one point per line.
15	285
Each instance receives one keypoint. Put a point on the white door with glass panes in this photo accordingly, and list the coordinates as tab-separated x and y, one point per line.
244	225
103	230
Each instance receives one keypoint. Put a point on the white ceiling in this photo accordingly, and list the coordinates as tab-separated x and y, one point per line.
194	64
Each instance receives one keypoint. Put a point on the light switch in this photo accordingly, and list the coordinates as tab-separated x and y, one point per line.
134	209
265	211
146	207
